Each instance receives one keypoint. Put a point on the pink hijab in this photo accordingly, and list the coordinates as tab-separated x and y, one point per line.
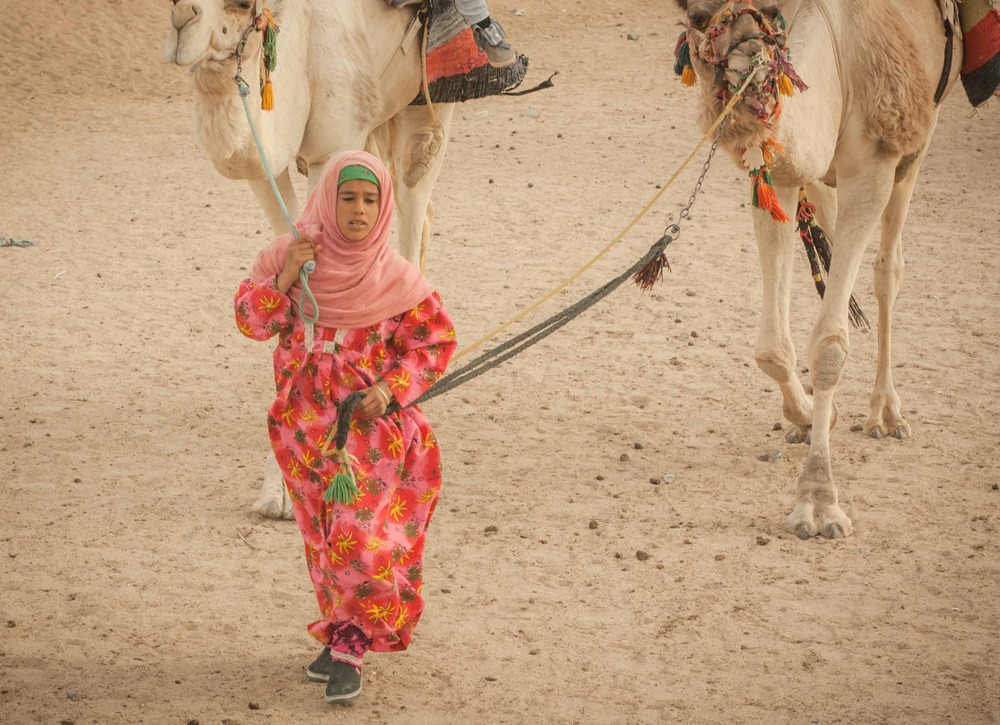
356	284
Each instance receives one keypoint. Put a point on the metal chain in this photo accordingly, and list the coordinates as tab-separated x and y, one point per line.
238	78
674	230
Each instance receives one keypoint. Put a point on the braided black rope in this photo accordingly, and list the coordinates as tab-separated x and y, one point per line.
345	411
818	251
501	353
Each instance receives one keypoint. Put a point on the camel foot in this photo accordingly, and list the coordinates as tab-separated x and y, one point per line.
878	430
273	501
886	420
808	520
799	435
271	507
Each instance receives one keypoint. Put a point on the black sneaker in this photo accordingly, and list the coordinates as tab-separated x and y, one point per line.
345	682
319	670
490	40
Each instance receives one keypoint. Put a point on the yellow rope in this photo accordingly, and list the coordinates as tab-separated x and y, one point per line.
423	66
478	343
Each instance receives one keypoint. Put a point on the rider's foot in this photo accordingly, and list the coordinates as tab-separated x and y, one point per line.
490	39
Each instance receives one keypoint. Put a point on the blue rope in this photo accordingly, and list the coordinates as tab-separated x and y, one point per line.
310	266
11	242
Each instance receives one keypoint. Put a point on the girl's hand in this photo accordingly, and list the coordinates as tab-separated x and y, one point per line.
300	251
375	402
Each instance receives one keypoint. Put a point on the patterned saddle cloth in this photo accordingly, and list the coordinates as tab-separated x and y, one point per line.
977	24
456	69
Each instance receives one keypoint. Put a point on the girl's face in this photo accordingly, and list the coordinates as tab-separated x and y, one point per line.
357	209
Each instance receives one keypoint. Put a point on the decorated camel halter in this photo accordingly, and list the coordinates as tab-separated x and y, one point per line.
768	77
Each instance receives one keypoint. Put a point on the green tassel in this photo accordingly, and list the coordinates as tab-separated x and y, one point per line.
270	45
682	55
343	487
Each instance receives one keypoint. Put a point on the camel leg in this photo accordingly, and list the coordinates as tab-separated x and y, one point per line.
886	418
418	150
775	351
265	197
864	189
273	501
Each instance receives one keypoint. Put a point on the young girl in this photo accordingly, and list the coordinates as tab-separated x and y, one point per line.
381	329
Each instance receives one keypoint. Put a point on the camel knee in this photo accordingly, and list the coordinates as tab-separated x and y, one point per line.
829	356
424	149
777	363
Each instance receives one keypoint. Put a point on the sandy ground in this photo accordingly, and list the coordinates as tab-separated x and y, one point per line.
137	586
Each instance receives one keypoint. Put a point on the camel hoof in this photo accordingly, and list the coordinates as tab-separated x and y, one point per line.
901	433
797	435
274	507
834	531
802	531
269	509
876	433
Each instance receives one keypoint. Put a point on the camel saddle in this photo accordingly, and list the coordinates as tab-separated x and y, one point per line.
976	23
456	69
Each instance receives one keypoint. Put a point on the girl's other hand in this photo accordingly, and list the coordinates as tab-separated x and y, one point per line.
375	402
300	251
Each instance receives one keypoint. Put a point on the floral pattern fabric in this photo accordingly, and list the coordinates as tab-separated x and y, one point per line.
364	558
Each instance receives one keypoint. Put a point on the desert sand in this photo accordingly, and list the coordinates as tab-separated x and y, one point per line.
136	585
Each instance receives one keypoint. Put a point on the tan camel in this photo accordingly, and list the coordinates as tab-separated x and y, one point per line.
863	127
345	75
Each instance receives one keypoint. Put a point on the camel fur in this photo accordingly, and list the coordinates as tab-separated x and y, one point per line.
863	127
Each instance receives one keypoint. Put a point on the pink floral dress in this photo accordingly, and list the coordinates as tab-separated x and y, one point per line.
364	558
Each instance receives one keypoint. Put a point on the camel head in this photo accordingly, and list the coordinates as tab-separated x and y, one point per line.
738	41
205	33
731	43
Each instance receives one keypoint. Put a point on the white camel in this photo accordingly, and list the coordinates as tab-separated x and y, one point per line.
345	75
863	127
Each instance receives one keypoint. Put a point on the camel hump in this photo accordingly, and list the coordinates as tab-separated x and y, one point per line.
888	77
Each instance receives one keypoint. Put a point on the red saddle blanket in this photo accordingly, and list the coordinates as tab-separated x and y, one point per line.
981	65
456	69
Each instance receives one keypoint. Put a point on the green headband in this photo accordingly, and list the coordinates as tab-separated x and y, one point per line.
357	172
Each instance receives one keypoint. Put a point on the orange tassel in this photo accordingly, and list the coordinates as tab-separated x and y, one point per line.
767	200
688	78
771	149
785	85
267	96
